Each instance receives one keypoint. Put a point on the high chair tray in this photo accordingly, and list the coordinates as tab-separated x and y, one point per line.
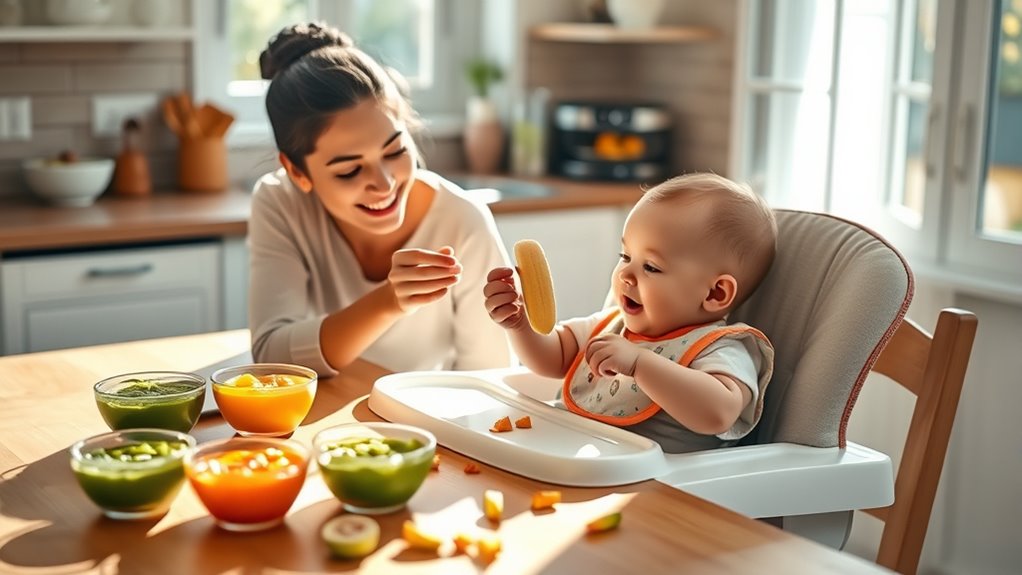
459	408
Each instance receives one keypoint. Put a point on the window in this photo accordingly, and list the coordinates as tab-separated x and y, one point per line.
902	114
415	37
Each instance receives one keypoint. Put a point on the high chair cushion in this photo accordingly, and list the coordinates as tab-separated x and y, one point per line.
834	295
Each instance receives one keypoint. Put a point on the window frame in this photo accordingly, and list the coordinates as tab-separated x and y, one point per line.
441	106
946	245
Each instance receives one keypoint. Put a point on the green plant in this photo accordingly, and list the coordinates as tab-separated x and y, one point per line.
481	74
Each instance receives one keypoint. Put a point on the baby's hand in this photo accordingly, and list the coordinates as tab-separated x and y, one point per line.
503	301
610	354
420	277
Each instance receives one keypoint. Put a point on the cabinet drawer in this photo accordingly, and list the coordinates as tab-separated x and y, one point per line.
109	273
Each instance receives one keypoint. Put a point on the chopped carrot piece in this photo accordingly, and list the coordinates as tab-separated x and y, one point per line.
501	425
436	463
545	499
524	422
472	469
463	542
487	548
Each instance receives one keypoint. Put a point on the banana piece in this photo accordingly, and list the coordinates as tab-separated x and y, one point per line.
537	286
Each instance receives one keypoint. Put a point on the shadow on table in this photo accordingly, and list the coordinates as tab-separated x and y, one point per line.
65	532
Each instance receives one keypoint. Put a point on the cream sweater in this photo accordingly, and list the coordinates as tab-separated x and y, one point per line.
302	269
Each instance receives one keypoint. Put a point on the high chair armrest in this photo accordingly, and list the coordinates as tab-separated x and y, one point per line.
784	479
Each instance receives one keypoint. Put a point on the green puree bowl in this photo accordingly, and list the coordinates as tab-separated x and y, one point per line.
372	467
134	473
151	399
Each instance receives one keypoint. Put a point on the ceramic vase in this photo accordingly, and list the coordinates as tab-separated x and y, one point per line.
483	137
635	14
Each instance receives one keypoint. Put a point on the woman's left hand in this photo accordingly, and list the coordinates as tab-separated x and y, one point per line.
611	354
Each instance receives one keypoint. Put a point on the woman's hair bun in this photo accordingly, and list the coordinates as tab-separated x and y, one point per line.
295	41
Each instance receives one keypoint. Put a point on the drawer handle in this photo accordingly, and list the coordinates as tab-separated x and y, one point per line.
127	271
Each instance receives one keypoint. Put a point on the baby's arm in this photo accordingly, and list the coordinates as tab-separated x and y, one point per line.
707	403
546	354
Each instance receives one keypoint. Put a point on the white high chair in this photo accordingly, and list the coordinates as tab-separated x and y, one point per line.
834	299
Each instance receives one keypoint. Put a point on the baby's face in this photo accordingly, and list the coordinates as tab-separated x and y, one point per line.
666	270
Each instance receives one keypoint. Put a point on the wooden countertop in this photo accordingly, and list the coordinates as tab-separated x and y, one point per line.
29	224
48	526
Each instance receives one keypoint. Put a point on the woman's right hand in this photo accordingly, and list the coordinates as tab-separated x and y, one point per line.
503	301
419	277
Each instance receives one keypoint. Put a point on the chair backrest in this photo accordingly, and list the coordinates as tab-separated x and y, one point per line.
834	296
932	368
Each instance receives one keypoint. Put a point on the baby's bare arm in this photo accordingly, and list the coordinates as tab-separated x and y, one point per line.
707	403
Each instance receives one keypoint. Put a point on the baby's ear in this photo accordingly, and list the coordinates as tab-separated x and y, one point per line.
722	294
298	176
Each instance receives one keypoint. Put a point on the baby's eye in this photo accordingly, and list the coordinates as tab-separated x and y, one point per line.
349	175
396	154
650	268
624	257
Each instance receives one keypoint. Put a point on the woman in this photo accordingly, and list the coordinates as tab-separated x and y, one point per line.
355	252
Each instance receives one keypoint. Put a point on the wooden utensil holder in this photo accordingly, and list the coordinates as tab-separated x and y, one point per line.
202	164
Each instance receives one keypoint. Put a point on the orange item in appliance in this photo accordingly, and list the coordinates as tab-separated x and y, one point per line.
524	422
501	425
545	499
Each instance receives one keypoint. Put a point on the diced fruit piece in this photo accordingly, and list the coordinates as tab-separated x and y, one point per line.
246	380
605	523
493	504
471	468
524	422
545	499
351	536
487	548
419	539
463	541
502	424
436	463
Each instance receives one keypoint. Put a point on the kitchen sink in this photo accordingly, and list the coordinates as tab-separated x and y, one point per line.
495	188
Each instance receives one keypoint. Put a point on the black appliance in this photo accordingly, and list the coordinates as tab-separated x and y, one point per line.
605	141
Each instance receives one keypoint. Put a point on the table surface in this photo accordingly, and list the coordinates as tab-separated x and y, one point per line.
47	525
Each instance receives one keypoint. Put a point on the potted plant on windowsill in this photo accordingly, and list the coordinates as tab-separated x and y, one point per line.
484	134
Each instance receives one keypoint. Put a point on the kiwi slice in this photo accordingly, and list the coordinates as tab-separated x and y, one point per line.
351	536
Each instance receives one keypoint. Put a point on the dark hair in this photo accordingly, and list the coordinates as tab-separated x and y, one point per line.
316	71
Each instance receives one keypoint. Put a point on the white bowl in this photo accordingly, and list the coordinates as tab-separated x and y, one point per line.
78	12
76	184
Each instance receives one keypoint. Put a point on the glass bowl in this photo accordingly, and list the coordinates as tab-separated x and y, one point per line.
264	399
247	483
374	467
161	399
133	473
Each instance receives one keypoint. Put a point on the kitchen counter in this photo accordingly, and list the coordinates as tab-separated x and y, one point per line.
28	224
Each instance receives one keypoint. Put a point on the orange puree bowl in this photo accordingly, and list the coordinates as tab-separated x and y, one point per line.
264	399
247	483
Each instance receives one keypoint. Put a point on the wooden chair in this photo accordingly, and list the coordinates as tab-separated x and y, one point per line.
932	368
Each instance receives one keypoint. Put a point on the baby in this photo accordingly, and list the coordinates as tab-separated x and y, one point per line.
662	360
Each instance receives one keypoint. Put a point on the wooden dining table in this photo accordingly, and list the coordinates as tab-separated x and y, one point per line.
48	525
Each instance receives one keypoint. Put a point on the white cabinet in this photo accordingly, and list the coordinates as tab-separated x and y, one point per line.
581	247
105	296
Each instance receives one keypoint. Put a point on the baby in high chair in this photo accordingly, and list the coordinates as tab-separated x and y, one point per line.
662	360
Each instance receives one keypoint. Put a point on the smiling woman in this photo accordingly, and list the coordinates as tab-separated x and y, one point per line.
355	251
